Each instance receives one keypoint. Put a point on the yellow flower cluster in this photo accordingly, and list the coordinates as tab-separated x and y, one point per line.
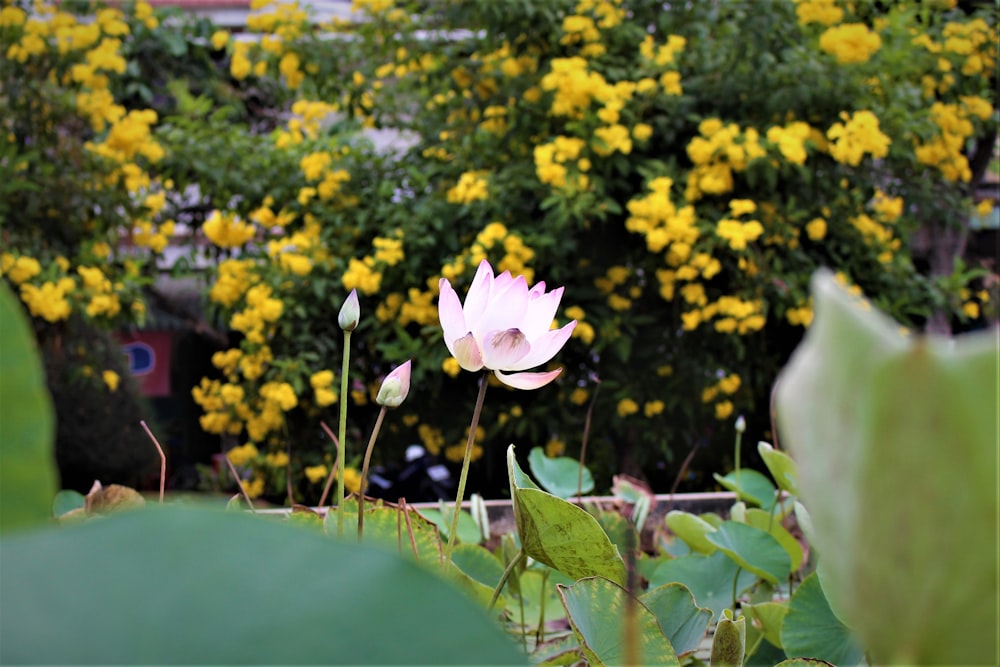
48	300
456	452
733	315
517	254
321	383
102	299
738	234
946	151
850	43
233	278
308	116
574	86
857	135
626	407
472	186
825	12
226	231
243	455
261	310
718	151
791	140
584	330
362	276
665	227
552	158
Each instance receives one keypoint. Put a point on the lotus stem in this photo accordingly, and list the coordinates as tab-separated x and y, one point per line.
333	470
465	469
364	472
586	438
515	561
342	432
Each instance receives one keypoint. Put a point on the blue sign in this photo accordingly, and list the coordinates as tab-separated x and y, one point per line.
141	357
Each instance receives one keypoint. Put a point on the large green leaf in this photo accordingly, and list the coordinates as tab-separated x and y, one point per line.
683	622
754	549
768	617
560	534
692	530
895	439
622	532
810	628
388	527
709	578
188	586
559	475
468	529
781	466
597	609
27	426
770	524
535	589
477	562
749	486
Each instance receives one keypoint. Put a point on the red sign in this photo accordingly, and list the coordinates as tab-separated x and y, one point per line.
148	355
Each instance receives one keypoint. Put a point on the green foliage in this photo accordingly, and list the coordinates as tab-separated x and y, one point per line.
560	534
26	423
559	475
161	601
597	610
885	410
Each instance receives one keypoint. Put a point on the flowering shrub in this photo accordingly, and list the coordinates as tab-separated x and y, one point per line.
682	172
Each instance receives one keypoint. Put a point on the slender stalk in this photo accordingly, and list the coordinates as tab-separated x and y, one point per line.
239	483
540	633
504	577
163	458
342	432
583	446
476	412
409	527
333	470
633	652
364	472
680	475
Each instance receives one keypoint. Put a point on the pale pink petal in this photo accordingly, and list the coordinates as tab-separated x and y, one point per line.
528	380
544	347
503	349
537	290
479	294
467	353
506	309
450	313
541	310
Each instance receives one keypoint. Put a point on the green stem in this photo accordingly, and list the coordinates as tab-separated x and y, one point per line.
465	468
540	634
364	472
736	579
341	433
505	576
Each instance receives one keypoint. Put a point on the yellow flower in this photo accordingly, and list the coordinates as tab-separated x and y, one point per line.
653	408
555	447
850	42
316	474
579	396
971	309
219	39
276	459
111	379
627	407
451	366
816	229
254	487
241	456
321	379
22	269
723	410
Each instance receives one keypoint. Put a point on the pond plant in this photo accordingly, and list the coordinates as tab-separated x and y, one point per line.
834	559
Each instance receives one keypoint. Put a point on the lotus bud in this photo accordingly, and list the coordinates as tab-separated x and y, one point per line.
395	387
350	312
741	424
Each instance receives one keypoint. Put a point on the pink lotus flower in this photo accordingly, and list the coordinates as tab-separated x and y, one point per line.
503	327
